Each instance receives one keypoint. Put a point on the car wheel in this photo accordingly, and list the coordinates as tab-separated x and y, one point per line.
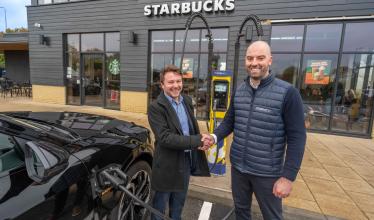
140	185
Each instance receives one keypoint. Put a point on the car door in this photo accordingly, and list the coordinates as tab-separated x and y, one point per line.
19	196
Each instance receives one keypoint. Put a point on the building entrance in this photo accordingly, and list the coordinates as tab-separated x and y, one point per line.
92	79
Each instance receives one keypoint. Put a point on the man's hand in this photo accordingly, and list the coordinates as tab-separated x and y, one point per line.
207	140
282	188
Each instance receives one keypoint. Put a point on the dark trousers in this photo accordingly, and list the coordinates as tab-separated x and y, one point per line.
174	199
244	185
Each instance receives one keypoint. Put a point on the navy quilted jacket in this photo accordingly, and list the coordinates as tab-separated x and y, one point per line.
264	121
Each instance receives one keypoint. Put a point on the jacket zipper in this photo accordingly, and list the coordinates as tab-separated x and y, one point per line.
272	153
248	126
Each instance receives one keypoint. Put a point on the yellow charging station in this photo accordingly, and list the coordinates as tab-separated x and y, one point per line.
219	104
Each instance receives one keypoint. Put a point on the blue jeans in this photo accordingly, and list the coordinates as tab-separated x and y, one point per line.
244	185
174	199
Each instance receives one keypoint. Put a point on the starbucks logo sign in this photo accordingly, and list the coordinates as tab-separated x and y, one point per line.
114	67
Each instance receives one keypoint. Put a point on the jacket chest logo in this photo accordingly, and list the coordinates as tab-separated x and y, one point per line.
264	110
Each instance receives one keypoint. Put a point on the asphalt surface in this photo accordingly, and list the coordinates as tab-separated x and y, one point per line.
218	211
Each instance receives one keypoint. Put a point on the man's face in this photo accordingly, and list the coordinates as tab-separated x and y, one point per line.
172	84
258	59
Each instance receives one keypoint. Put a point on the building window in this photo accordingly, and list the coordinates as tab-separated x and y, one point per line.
73	77
93	42
166	48
335	76
162	41
323	37
59	1
45	2
354	95
112	42
317	88
286	66
287	38
93	69
357	37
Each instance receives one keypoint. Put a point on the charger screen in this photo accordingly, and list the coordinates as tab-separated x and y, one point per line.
220	87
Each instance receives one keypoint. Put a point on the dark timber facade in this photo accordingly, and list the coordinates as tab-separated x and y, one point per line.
74	47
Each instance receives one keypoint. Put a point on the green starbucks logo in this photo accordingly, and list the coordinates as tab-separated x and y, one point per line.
114	67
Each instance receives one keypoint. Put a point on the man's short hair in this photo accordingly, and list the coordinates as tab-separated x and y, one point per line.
169	68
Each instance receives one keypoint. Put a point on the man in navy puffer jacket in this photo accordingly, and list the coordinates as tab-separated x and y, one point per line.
266	116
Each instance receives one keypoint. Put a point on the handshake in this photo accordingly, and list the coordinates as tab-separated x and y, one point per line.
207	140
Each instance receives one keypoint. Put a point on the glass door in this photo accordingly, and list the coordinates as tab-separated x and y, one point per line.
92	79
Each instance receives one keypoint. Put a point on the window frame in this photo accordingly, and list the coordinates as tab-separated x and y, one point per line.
104	53
339	53
55	2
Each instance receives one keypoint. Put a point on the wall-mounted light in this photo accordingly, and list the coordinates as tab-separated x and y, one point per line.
38	25
133	37
43	40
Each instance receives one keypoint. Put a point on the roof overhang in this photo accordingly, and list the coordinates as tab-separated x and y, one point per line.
11	46
14	41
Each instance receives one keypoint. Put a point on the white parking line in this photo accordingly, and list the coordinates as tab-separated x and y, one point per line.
205	211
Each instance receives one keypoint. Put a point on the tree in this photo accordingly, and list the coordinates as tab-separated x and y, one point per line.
2	61
21	29
15	30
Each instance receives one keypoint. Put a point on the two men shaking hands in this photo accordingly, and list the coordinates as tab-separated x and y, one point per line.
208	140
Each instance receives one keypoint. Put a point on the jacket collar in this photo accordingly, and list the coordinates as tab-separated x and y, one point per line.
264	82
162	100
171	100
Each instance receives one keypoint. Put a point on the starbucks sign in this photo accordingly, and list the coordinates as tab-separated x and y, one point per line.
114	67
189	7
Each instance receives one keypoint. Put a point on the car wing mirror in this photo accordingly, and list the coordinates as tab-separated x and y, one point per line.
44	160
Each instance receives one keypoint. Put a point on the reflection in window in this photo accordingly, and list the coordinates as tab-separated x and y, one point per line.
92	42
72	70
113	94
286	66
159	61
192	41
354	97
162	41
287	38
323	37
359	37
352	92
73	75
73	42
189	67
195	61
317	88
220	37
112	42
218	63
43	2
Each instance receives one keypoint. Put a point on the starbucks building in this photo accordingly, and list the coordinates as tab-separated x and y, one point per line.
109	53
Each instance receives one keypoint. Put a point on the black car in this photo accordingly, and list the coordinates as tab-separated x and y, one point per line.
48	162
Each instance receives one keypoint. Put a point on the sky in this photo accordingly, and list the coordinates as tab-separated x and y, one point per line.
15	13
